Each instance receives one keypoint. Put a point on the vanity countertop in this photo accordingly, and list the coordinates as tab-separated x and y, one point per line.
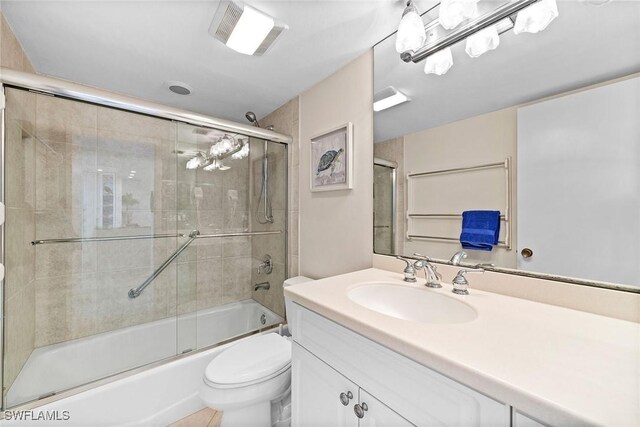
562	366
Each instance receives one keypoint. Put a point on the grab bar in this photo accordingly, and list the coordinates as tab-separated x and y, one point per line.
195	234
104	239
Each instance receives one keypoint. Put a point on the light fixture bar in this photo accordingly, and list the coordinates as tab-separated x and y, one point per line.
473	26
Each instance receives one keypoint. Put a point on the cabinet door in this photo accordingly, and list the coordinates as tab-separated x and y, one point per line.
315	393
378	414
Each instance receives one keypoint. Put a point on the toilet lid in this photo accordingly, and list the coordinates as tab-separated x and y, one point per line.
250	360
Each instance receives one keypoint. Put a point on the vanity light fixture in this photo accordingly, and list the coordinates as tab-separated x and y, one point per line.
387	98
453	12
480	24
244	28
482	41
536	17
225	146
411	33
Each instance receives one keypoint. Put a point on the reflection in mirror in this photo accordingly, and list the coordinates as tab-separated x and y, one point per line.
542	129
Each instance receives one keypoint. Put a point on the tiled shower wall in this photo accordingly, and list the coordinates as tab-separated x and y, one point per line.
284	120
19	287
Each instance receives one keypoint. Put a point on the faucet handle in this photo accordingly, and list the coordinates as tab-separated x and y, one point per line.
460	283
409	271
458	257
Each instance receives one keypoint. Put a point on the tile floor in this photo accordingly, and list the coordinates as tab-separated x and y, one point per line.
206	417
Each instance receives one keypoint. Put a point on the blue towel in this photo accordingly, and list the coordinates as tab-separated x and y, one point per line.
480	230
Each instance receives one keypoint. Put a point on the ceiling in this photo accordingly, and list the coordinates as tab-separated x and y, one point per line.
586	44
135	47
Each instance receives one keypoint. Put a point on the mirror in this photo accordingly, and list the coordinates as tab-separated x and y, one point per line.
543	129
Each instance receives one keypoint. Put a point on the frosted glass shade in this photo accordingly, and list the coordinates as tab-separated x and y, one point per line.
453	12
482	41
411	33
536	17
439	63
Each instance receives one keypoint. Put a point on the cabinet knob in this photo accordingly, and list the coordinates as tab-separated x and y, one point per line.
345	397
360	409
526	253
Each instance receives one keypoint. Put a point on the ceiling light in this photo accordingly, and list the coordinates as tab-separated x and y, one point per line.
439	63
536	17
411	33
482	41
388	97
453	12
245	29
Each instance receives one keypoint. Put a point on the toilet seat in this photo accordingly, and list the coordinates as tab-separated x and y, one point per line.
252	361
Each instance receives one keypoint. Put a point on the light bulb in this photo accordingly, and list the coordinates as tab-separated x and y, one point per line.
193	163
536	17
411	33
482	41
453	12
439	63
242	153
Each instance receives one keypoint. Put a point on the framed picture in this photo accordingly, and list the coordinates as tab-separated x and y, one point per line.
331	159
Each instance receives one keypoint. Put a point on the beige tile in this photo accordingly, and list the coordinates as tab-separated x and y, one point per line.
20	163
210	282
134	125
19	254
11	55
65	121
293	232
236	279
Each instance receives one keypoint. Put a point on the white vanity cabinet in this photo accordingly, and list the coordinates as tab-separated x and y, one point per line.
324	397
329	359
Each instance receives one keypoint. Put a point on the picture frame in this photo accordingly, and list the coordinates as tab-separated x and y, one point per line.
331	159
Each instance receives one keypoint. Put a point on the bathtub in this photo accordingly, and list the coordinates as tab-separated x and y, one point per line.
65	365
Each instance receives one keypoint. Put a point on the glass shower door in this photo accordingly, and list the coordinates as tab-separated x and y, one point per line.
384	200
91	213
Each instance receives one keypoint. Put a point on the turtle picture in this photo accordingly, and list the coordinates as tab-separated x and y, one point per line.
328	161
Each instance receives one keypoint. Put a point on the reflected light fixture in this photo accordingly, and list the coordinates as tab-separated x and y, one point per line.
244	28
439	63
387	98
536	17
411	33
482	41
453	12
480	24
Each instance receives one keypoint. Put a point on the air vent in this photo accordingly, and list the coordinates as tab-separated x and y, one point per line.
244	28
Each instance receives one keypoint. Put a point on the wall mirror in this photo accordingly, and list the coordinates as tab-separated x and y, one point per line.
543	128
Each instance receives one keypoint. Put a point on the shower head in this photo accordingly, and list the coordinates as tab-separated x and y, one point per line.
252	118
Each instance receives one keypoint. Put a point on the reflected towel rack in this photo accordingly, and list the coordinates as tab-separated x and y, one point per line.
104	239
195	234
506	164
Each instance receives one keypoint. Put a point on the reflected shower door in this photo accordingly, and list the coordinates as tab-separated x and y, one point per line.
384	200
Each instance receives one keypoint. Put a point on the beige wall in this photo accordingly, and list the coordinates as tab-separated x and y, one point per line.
487	138
336	226
19	289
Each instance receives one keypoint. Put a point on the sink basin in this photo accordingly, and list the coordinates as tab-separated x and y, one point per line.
408	303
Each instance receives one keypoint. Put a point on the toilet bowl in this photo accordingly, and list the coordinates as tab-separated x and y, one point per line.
250	382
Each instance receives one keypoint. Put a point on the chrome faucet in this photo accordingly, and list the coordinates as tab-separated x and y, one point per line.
431	274
460	283
457	258
264	285
410	269
266	265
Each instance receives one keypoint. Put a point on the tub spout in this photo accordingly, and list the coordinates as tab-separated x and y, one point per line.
263	285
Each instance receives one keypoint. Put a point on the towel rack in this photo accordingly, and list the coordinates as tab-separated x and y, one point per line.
505	217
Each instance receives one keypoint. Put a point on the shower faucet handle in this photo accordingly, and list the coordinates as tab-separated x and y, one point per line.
266	265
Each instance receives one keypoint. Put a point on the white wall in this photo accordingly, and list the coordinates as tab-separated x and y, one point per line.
336	226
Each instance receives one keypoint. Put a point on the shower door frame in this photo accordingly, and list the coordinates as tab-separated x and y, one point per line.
394	197
65	89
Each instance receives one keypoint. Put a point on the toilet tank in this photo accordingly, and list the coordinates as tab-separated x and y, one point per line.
290	282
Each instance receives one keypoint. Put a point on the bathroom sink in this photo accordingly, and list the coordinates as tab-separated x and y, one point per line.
408	303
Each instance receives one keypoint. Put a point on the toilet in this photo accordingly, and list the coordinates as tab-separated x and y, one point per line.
250	382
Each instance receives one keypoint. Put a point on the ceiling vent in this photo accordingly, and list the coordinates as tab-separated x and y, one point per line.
244	28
